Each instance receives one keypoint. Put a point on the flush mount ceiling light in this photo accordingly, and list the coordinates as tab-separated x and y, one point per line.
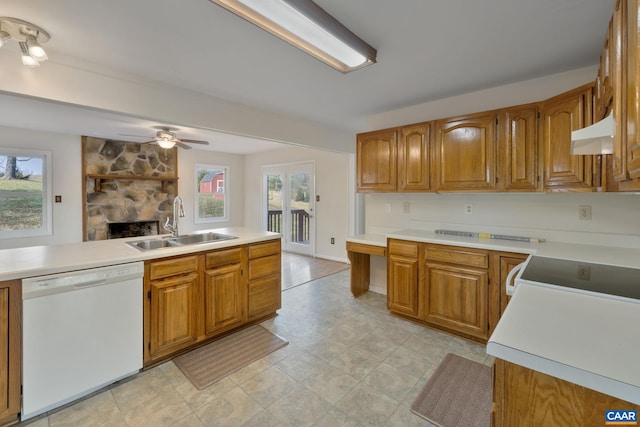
29	36
308	27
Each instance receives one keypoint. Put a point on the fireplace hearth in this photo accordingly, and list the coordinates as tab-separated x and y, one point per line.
119	230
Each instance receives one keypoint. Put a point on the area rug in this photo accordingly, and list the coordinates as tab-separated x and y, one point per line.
457	394
212	362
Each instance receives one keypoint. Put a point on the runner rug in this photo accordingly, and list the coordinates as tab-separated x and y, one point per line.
212	362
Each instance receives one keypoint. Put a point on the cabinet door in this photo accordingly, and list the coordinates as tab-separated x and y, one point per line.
632	89
457	298
224	298
619	62
376	158
402	285
264	296
518	164
413	158
465	153
507	263
10	350
173	315
561	115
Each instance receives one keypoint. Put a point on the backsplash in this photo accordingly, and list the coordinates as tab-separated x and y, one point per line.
122	183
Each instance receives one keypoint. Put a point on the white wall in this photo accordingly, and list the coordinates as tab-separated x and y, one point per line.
332	211
67	180
187	159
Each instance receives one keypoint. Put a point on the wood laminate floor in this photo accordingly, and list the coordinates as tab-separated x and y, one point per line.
298	269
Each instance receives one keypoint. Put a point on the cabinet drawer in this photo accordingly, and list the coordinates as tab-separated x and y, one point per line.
362	248
404	248
464	256
223	257
264	296
264	266
173	267
263	249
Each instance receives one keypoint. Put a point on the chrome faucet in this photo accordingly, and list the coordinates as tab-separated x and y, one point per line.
178	211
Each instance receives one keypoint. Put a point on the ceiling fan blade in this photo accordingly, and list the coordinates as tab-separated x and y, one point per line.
181	145
148	142
194	141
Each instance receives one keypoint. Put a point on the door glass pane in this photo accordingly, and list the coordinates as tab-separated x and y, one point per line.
300	208
274	203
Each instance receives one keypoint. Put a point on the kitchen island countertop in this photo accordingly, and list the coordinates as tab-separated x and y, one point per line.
34	261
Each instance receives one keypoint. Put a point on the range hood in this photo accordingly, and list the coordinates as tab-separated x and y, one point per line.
594	139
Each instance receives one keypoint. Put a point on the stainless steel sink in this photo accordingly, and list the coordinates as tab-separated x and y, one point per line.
191	239
187	239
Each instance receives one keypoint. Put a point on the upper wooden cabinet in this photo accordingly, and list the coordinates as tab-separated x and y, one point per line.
464	153
518	149
630	144
413	157
561	115
394	159
376	154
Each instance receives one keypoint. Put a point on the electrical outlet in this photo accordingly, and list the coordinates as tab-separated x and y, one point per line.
584	212
468	209
406	207
333	240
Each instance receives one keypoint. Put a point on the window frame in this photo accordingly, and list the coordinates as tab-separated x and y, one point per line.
197	219
47	191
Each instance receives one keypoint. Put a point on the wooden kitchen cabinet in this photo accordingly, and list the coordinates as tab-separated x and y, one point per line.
561	115
413	158
503	263
402	277
265	279
518	149
456	289
465	153
376	158
173	294
225	290
11	351
526	398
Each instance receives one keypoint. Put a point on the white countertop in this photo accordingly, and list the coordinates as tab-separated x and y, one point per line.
584	339
33	261
588	340
623	257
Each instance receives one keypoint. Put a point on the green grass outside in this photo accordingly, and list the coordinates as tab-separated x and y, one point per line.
20	204
210	207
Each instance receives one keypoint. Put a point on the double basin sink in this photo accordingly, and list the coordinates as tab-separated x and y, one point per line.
172	242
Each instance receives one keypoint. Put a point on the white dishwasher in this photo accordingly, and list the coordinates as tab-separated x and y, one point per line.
82	330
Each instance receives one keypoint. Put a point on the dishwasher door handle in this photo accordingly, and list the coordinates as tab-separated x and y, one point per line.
509	288
90	284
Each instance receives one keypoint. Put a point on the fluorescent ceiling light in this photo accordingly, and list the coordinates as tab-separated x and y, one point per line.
307	26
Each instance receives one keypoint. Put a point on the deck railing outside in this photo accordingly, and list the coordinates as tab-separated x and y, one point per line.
299	224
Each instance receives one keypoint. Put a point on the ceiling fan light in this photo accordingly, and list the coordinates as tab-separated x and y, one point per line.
28	60
164	143
35	50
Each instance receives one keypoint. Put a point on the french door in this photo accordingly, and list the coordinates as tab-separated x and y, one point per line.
289	203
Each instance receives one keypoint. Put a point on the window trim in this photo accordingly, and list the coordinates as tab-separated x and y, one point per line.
47	191
196	217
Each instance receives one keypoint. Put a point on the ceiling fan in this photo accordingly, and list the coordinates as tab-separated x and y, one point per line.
165	137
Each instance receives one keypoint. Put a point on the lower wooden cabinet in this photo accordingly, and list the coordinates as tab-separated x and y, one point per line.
456	289
10	350
196	297
402	277
526	398
265	279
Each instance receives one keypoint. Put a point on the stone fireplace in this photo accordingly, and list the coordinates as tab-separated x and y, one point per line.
128	188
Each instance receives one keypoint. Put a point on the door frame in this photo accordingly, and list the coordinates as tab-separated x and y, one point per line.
285	169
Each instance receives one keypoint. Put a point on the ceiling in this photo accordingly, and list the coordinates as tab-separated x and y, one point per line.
427	50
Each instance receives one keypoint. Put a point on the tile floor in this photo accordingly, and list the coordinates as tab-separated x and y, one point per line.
349	363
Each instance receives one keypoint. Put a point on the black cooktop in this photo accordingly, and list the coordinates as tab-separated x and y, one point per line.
585	276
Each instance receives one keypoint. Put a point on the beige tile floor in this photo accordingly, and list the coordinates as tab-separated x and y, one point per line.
349	363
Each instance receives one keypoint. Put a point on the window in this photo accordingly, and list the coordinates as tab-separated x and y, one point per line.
211	194
25	189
